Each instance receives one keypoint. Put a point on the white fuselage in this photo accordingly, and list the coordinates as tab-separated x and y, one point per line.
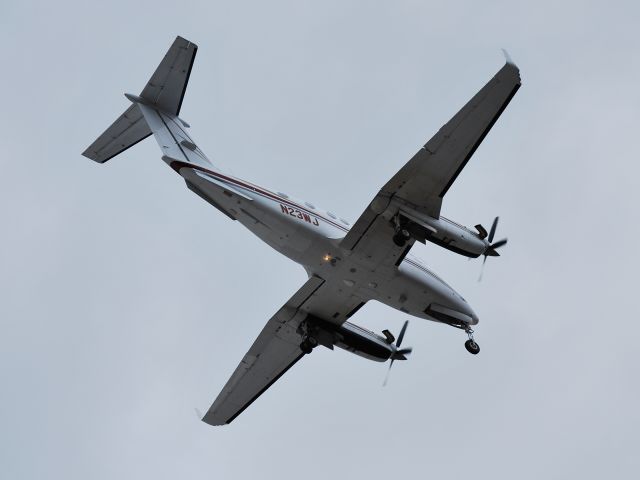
311	237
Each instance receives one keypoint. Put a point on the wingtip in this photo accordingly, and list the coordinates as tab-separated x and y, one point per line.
188	43
508	58
92	156
214	422
510	63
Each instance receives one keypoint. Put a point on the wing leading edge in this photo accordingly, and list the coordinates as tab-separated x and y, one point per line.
275	351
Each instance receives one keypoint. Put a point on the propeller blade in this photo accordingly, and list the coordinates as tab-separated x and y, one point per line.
499	243
482	268
401	336
402	353
494	226
386	377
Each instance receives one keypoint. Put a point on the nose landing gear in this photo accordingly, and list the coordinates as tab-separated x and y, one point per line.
471	345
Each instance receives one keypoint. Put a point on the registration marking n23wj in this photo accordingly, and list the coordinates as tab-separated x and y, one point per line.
294	212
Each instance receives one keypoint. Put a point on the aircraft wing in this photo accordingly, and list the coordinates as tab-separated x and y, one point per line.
422	183
276	349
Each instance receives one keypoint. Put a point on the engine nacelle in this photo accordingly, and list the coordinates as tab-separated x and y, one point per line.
352	338
445	233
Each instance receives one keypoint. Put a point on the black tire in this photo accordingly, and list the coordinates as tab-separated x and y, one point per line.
472	347
306	348
312	342
399	239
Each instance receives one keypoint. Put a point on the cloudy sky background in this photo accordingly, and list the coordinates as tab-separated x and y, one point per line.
127	301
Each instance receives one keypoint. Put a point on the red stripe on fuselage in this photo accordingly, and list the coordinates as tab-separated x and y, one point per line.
177	165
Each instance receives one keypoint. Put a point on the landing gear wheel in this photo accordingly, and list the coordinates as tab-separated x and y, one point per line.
308	344
306	348
472	347
401	237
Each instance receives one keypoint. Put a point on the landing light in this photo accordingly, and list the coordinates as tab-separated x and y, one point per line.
327	257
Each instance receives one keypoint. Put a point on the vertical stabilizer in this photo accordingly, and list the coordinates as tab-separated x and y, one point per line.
168	84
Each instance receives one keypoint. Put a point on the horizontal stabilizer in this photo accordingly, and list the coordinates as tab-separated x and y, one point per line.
129	129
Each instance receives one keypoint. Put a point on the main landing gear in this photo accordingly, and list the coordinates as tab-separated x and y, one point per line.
471	345
401	237
308	344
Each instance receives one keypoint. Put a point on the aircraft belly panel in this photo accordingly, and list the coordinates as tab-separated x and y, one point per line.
415	288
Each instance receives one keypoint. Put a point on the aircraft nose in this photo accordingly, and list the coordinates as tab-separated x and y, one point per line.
453	310
459	304
463	307
447	305
472	314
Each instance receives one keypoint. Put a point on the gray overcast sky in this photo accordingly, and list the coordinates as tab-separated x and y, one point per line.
127	301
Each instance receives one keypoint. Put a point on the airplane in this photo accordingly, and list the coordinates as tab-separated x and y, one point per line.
347	265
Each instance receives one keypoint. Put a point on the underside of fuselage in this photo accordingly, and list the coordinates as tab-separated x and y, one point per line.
311	238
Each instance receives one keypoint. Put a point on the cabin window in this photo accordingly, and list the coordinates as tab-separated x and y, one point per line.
344	221
310	205
283	195
332	215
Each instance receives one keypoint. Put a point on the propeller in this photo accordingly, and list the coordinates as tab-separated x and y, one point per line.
399	353
491	250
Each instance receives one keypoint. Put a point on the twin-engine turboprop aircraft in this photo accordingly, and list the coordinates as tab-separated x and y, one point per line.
347	265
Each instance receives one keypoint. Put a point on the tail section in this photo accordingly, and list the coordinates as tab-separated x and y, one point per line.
156	111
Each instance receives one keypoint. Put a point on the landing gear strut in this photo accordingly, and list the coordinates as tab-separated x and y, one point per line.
471	345
308	344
